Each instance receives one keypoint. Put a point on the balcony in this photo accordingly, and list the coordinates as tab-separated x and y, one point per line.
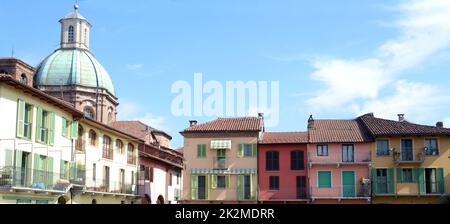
18	178
284	194
340	159
220	163
110	187
410	156
80	145
342	192
421	188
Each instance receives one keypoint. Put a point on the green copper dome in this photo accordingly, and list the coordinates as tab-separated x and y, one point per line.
73	67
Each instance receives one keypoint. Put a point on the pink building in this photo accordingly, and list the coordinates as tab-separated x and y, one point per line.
339	161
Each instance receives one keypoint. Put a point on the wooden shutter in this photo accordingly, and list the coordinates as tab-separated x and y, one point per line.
9	160
374	181
73	171
227	181
399	175
324	179
251	187
240	150
204	151
390	179
440	180
38	124
50	173
415	175
255	150
64	127
20	118
74	130
213	181
194	187
208	182
62	169
240	187
36	172
199	151
51	128
18	167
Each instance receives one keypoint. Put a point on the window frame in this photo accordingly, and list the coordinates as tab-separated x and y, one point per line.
300	161
322	147
274	180
387	150
223	181
430	151
272	164
93	139
245	149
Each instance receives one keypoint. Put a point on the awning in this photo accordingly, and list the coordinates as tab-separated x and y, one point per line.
221	144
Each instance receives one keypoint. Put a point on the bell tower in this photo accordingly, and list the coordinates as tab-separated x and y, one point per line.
75	30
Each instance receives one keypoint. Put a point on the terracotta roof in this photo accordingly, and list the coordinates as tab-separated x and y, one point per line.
383	127
239	124
338	131
284	137
179	150
136	128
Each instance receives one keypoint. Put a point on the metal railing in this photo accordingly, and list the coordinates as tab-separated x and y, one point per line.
220	162
291	193
115	187
80	145
20	177
334	157
409	156
342	191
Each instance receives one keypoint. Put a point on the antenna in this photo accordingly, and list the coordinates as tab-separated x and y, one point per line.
12	51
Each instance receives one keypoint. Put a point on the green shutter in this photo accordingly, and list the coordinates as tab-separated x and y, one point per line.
194	187
38	124
9	160
213	181
374	181
18	163
390	179
20	118
227	181
51	140
64	127
241	150
240	187
36	172
204	151
251	187
399	175
208	183
18	167
73	171
50	173
421	179
199	151
324	178
440	180
74	131
255	150
415	175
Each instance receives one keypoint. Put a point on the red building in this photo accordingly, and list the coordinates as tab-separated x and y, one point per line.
282	167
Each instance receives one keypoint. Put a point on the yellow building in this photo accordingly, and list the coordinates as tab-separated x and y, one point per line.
410	162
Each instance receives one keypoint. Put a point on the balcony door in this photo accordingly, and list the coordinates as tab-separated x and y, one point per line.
247	187
348	153
407	150
201	187
301	187
348	184
106	178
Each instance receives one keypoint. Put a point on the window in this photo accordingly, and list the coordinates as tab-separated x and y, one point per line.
24	116
382	147
324	179
119	146
178	178
107	150
109	117
85	37
348	153
71	34
151	174
322	150
130	154
297	160
89	113
431	147
170	179
132	177
201	151
272	161
64	170
94	171
92	138
65	127
45	127
221	182
248	150
405	176
23	79
274	183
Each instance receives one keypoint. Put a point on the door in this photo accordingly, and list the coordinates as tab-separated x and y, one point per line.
106	178
348	153
201	189
24	169
247	187
430	181
348	184
381	181
301	187
407	150
122	181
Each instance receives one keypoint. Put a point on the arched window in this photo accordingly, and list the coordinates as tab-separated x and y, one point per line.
119	146
272	161
71	34
107	149
92	137
88	112
23	79
130	154
85	37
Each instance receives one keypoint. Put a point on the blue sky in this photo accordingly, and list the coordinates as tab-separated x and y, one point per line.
333	59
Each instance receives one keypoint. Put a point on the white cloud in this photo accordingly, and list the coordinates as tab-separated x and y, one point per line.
135	67
447	122
424	27
129	110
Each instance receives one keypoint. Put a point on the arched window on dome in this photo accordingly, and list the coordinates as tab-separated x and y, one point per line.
85	37
88	112
110	115
71	34
23	79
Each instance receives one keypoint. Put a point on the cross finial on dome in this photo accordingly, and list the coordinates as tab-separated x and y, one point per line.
76	6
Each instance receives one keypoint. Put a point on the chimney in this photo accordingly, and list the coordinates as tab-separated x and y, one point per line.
192	123
261	115
310	122
401	117
440	124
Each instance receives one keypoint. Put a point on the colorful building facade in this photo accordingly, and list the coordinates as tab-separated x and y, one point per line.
339	161
221	161
282	167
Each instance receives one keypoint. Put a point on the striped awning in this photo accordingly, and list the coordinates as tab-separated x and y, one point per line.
221	144
229	171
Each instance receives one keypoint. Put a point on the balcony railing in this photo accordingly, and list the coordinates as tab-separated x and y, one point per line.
415	188
341	192
286	193
112	187
339	158
18	177
220	163
409	156
80	145
107	153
